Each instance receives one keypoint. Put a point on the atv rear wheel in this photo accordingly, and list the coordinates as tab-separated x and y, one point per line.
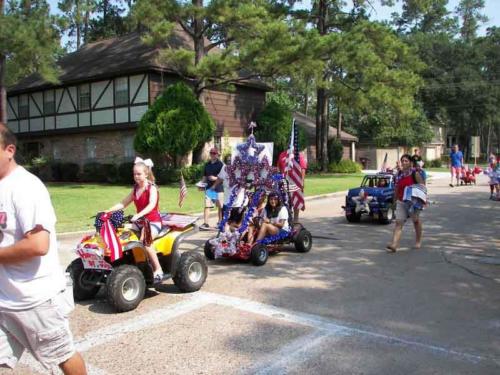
84	285
191	272
353	217
259	255
303	242
387	217
209	250
125	287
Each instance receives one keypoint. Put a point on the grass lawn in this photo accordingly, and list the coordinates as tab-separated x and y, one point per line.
76	203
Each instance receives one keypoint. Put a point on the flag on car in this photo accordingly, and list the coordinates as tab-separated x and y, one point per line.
293	171
182	191
108	235
383	168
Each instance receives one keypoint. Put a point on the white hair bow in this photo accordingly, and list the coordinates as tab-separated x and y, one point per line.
147	162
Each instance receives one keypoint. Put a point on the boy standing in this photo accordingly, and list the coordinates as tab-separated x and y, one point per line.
456	163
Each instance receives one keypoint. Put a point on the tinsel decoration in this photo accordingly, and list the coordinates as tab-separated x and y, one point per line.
281	235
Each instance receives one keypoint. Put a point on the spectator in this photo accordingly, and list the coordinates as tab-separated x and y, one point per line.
34	299
215	196
416	158
456	163
282	164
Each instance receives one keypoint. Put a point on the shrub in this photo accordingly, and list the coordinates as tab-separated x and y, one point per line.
193	173
313	167
345	166
40	167
335	150
165	175
97	172
445	158
125	175
436	163
64	171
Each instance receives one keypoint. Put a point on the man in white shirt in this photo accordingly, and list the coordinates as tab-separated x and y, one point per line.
34	306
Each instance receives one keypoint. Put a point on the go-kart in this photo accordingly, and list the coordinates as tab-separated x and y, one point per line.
374	197
127	277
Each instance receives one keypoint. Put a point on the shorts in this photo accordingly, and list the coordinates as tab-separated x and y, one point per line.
154	225
402	213
456	171
211	203
43	330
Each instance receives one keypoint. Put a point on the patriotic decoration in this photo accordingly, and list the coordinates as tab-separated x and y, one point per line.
293	171
383	168
182	191
108	234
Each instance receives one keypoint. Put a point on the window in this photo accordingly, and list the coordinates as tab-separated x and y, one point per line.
23	106
84	97
121	91
49	103
128	147
90	146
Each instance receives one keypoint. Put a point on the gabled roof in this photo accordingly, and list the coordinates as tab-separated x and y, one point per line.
309	125
110	57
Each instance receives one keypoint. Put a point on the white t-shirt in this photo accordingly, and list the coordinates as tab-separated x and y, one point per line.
282	215
24	204
239	200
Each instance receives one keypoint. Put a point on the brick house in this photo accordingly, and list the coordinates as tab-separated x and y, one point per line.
104	89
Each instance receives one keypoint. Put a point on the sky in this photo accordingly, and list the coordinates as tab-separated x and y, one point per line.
491	9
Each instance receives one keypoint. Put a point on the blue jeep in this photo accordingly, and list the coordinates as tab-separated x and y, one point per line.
375	198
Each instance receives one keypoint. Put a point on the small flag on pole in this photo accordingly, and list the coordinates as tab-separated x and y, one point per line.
182	191
383	168
293	171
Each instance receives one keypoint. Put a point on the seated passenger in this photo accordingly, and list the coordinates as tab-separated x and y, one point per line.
382	182
275	217
256	221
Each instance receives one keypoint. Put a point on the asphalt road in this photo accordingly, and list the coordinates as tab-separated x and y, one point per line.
347	307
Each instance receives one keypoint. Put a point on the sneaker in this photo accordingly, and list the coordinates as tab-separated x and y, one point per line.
204	226
158	278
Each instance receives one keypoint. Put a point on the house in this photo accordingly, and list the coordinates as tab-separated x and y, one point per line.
104	89
309	125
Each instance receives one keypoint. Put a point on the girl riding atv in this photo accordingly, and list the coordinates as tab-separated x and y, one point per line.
146	200
275	217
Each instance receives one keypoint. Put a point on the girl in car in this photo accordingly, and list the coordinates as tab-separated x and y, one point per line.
275	217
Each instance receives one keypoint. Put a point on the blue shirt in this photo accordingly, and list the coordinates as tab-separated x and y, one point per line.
456	158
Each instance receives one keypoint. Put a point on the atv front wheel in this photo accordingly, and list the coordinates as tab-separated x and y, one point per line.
353	217
259	255
191	272
84	281
209	250
303	242
125	287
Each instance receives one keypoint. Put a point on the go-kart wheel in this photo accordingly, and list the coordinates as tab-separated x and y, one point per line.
125	287
259	255
209	250
84	284
386	218
191	272
303	242
353	217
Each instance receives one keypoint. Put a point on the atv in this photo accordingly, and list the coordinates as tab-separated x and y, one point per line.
127	277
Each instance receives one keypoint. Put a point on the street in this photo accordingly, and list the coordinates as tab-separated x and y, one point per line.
346	307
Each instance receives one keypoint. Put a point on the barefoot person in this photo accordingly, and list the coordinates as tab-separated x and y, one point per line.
34	302
406	177
456	164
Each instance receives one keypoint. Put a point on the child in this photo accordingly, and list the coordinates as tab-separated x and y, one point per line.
146	199
494	180
275	218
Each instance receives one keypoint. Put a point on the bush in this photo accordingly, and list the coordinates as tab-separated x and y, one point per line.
97	172
40	167
445	158
335	150
125	174
193	173
166	175
313	167
65	171
345	166
436	163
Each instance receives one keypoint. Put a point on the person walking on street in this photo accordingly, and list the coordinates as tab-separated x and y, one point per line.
34	299
215	196
456	163
406	177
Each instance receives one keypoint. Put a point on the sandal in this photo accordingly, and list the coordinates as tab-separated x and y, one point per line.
390	249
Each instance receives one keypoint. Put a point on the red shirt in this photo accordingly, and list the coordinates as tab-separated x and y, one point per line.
282	161
143	200
402	183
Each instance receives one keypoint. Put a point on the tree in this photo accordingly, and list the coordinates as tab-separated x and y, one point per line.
110	20
76	18
257	39
174	125
29	43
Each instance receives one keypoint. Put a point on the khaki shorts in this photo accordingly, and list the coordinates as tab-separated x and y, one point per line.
43	330
402	212
219	202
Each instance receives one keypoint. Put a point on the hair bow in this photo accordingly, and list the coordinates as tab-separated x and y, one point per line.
147	162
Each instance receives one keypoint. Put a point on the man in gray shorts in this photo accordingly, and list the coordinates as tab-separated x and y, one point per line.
34	301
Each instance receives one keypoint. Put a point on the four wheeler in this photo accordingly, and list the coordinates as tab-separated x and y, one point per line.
374	197
127	277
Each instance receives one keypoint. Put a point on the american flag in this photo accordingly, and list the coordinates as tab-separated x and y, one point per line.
182	191
383	168
293	171
108	235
